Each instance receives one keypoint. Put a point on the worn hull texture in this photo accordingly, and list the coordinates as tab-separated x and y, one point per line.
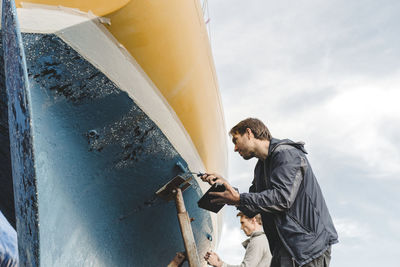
99	159
87	167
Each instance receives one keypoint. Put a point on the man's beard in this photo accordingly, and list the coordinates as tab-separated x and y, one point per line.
248	156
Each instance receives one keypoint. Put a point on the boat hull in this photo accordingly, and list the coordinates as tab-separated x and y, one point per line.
99	140
99	159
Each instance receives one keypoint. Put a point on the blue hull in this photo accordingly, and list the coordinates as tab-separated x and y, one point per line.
96	161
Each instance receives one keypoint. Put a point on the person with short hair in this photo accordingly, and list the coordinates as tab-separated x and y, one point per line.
285	191
257	250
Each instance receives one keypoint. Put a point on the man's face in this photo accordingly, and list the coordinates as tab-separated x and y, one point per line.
243	145
247	225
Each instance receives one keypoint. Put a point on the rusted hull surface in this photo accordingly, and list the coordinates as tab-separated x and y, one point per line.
20	136
98	160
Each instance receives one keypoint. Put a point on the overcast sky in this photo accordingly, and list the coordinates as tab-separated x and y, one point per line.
326	73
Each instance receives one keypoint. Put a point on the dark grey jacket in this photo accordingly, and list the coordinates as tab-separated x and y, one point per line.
286	193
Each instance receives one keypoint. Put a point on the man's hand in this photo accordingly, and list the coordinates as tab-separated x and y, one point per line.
230	196
213	259
212	178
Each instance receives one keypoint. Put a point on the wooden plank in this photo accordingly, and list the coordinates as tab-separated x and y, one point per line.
178	260
188	239
186	230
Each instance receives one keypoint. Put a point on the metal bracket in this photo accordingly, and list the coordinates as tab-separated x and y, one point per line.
167	191
173	190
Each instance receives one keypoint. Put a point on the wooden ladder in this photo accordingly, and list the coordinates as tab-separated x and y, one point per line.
173	191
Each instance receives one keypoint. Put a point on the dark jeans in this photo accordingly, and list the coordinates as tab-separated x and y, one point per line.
283	259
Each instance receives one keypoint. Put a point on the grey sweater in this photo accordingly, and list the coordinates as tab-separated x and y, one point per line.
257	252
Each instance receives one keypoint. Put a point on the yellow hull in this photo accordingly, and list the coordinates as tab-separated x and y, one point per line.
98	7
109	126
170	42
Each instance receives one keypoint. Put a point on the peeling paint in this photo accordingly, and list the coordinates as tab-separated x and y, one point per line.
61	69
22	158
100	161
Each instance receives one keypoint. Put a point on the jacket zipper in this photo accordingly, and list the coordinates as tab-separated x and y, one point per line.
277	230
286	246
299	224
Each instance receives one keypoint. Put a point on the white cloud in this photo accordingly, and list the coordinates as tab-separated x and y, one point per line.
326	73
348	228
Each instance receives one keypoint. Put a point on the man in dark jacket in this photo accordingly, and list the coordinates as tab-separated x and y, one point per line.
285	191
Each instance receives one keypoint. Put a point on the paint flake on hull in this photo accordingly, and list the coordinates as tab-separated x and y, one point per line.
103	140
98	161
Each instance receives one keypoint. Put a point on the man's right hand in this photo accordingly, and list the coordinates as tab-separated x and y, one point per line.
213	178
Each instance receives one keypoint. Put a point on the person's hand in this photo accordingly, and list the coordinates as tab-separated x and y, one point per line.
178	259
212	178
213	259
230	196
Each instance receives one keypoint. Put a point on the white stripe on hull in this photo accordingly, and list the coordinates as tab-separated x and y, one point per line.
90	38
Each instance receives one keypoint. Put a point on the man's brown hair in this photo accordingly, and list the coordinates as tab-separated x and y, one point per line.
257	127
258	217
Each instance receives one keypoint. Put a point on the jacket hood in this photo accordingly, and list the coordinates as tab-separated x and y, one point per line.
274	143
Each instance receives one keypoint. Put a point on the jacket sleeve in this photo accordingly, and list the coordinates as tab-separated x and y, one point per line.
250	213
287	172
255	253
